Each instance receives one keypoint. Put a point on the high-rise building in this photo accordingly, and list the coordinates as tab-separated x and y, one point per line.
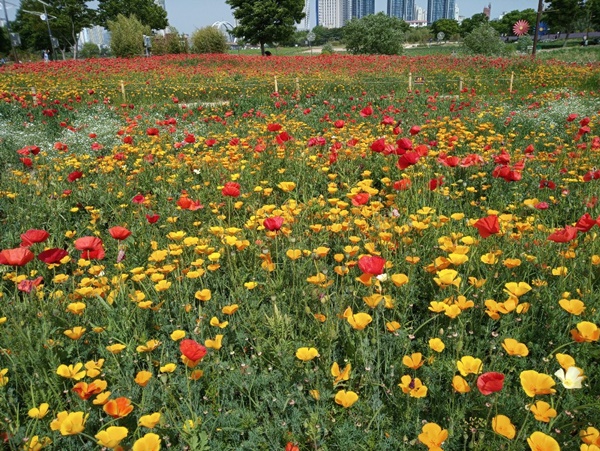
362	8
488	10
160	3
333	13
403	9
440	9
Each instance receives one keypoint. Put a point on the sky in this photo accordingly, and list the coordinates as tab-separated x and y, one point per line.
187	15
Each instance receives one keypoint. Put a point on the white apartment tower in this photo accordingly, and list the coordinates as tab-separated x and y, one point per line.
333	13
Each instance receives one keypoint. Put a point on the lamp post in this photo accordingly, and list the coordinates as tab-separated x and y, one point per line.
45	17
13	47
537	26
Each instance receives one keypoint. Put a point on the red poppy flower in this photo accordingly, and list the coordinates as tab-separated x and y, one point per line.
360	199
16	257
547	184
33	236
339	123
27	285
415	130
402	185
185	203
487	226
371	264
274	127
75	175
152	131
273	223
119	233
571	117
489	383
138	199
585	223
283	137
189	138
366	111
404	144
569	233
52	256
127	140
378	145
210	142
406	160
152	218
192	349
91	247
231	189
26	161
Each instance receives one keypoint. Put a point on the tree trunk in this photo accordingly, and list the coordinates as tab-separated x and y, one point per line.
262	48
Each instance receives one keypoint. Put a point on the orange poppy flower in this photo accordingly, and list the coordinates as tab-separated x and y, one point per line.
16	257
118	408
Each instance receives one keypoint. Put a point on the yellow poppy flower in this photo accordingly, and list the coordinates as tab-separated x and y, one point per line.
433	436
460	384
542	411
447	277
513	347
111	436
149	421
535	383
392	326
230	309
342	375
502	425
203	295
565	361
149	442
71	371
469	365
168	368
413	361
307	354
150	345
346	398
359	320
75	333
39	412
69	423
214	344
517	289
142	378
413	387
538	441
177	335
399	279
116	348
436	344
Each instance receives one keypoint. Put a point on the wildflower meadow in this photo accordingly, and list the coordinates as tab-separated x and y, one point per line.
300	253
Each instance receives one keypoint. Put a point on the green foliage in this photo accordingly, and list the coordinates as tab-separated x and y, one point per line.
524	44
4	41
169	44
375	34
563	15
266	21
420	35
89	50
449	27
127	36
505	25
469	24
209	40
146	11
484	40
327	49
324	35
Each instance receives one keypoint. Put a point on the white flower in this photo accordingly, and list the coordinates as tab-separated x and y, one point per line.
572	378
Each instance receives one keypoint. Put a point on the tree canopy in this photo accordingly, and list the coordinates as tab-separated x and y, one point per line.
127	36
470	23
563	15
145	11
449	27
505	25
266	21
375	34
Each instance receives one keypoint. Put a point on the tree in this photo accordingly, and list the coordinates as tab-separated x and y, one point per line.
449	27
418	35
266	21
146	11
594	12
563	15
127	36
170	43
4	42
473	22
209	40
375	34
66	20
485	40
505	25
324	35
89	50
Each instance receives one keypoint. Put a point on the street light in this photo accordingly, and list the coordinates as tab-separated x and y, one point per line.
46	17
13	47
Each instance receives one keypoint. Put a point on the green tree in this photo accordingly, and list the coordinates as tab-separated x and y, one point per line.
4	42
89	50
418	35
449	27
594	13
375	34
563	15
473	22
127	36
209	40
484	40
266	21
146	11
170	43
66	19
505	25
324	35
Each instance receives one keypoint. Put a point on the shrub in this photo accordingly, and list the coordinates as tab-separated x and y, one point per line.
127	36
89	50
375	34
327	49
209	40
485	40
171	43
524	44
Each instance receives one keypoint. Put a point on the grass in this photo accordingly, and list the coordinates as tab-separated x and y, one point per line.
352	257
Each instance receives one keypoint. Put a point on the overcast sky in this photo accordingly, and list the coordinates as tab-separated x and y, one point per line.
187	15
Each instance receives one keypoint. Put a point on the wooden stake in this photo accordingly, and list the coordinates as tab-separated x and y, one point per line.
512	78
33	97
276	87
410	81
123	91
297	86
460	85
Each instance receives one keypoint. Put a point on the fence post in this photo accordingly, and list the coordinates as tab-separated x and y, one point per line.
298	86
123	91
410	82
460	85
512	78
276	87
33	97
